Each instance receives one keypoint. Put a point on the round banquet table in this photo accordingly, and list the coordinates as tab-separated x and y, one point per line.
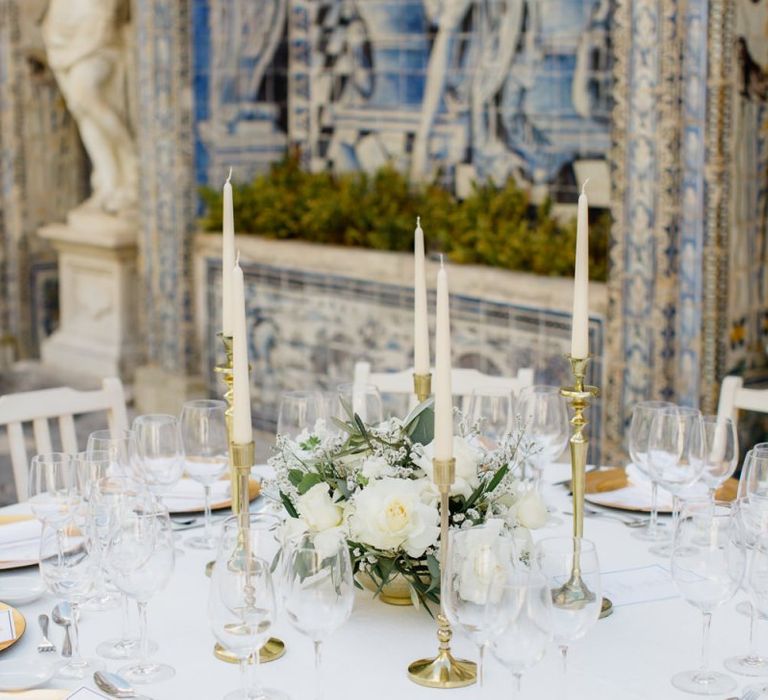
630	655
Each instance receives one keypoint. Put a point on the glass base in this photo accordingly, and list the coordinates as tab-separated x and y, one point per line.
645	534
747	665
745	608
203	542
102	601
703	682
758	690
147	672
265	694
121	649
83	668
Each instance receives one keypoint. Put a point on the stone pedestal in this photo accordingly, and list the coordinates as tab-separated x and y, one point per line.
98	290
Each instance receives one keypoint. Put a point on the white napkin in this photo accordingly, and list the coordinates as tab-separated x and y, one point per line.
188	494
20	540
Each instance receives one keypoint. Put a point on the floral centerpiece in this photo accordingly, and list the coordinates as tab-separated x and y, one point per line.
372	485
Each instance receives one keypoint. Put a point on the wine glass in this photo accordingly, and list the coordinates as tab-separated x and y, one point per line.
719	451
121	448
758	585
69	572
318	593
545	417
206	457
571	620
363	400
140	559
639	432
672	455
241	603
159	453
493	407
753	482
478	567
707	568
524	641
299	412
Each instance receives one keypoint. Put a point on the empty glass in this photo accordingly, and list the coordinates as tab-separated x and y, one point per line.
53	488
206	454
299	412
160	460
707	568
719	451
639	432
758	584
673	456
69	571
545	417
493	408
570	620
120	447
753	482
524	641
140	559
318	594
480	562
363	399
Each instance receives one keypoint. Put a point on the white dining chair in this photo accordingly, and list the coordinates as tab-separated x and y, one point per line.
734	397
464	382
61	404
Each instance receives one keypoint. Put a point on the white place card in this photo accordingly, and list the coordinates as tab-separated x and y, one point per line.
645	584
7	627
85	694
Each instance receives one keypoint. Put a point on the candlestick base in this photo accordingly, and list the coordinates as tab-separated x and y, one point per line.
443	671
422	386
606	608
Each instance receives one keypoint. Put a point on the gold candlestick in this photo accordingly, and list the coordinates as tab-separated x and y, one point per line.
443	671
422	386
574	591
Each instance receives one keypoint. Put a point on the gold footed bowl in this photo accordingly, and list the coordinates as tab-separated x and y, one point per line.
396	592
271	651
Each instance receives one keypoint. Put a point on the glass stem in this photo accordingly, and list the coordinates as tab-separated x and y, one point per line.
245	681
124	603
713	494
653	523
564	658
207	532
481	666
143	635
752	632
705	642
518	683
74	635
257	690
675	514
318	671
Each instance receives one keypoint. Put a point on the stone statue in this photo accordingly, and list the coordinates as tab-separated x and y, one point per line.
87	45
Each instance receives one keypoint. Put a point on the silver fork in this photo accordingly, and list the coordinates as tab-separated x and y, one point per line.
752	694
628	521
46	644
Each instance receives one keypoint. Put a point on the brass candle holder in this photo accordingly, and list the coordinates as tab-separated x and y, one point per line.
574	591
422	386
443	671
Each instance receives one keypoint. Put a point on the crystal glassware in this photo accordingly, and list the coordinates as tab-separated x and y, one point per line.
141	559
758	585
480	562
493	408
719	451
205	442
639	431
159	455
707	568
69	571
121	448
241	605
524	641
299	412
363	400
674	458
318	593
570	621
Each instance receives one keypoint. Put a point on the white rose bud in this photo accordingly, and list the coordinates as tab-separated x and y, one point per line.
531	511
317	509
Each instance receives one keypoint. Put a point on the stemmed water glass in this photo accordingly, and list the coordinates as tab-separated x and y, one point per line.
758	585
492	406
363	399
140	559
318	593
121	448
69	571
570	621
673	457
480	562
241	603
524	641
160	460
707	567
545	417
639	432
719	451
299	412
206	444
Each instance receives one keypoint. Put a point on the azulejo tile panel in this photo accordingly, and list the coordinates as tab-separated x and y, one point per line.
307	329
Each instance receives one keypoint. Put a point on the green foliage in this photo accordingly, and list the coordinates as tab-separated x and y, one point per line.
493	226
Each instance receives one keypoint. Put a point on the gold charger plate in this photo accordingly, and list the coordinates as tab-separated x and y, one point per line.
15	564
615	478
254	489
19	622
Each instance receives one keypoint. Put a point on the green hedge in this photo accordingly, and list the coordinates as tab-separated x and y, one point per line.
493	226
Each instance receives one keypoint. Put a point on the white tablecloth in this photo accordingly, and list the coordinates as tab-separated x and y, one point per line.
630	655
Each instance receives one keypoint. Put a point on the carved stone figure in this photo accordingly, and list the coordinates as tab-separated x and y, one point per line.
86	45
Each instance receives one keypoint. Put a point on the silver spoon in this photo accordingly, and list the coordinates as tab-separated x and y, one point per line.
116	686
62	615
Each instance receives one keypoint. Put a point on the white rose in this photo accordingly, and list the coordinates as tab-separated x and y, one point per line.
486	562
467	462
317	509
389	514
530	510
374	467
